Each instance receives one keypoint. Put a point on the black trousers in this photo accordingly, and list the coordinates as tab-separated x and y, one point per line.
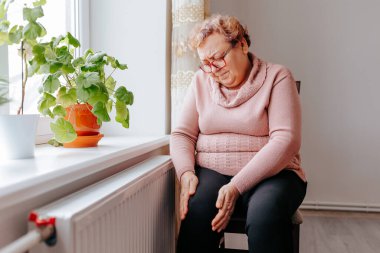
268	207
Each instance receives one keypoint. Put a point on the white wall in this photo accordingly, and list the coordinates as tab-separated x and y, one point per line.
135	32
333	48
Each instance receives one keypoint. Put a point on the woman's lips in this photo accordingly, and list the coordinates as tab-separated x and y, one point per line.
224	75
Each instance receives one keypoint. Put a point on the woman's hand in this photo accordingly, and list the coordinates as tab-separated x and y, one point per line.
226	201
189	182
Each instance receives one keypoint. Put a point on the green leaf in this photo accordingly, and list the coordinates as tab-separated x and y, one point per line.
67	98
50	54
54	143
87	53
59	111
111	60
43	32
78	62
95	63
98	97
39	58
63	55
124	95
50	83
57	40
44	69
103	88
109	106
38	49
98	57
34	30
84	94
121	66
110	83
90	67
3	10
15	34
39	53
32	14
39	3
72	40
115	63
87	79
55	66
33	67
63	130
68	69
122	113
4	25
4	38
45	102
100	111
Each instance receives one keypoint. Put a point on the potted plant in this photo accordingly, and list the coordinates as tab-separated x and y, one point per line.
18	131
77	92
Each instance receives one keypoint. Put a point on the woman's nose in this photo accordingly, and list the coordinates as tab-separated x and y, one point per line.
214	69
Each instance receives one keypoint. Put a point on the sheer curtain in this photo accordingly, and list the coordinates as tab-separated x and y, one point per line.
185	14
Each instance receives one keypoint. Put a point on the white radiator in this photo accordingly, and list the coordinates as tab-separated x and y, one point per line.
129	212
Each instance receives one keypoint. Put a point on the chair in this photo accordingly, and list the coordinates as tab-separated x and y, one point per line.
237	223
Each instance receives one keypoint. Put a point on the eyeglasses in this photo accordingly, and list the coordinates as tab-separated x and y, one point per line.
217	64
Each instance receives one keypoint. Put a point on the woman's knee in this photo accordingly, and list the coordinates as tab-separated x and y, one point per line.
270	208
201	209
201	205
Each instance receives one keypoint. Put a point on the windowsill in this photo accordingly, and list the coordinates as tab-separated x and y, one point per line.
54	167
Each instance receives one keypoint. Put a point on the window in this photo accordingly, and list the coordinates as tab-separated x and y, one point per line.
56	20
114	30
60	16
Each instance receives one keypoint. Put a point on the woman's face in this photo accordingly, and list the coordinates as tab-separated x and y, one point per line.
215	48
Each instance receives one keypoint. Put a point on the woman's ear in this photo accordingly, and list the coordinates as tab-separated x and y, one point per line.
244	46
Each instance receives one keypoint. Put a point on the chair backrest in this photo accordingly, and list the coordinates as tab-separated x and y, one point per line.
298	83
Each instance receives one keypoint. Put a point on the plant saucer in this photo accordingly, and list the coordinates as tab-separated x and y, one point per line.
84	141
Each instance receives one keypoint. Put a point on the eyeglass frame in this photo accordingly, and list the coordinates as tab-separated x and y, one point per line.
210	65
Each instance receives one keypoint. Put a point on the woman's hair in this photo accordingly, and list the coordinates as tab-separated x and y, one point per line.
227	26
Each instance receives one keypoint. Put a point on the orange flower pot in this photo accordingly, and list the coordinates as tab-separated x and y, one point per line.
85	125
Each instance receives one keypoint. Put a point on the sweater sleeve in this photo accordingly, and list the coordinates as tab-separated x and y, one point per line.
184	137
284	116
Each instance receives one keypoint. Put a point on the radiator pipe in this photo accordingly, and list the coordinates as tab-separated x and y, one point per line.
29	240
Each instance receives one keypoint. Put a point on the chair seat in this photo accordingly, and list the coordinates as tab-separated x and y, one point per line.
297	218
237	222
237	225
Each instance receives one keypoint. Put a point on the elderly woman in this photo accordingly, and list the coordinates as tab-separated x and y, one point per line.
237	144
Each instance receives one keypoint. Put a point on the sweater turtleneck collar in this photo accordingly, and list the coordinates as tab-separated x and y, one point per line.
232	98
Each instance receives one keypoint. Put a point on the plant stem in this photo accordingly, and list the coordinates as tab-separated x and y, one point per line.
24	78
110	75
67	80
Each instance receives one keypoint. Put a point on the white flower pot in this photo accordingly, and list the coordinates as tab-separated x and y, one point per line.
17	136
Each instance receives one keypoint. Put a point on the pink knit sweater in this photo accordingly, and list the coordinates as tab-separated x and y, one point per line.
251	133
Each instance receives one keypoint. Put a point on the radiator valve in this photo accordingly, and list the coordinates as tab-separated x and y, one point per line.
46	228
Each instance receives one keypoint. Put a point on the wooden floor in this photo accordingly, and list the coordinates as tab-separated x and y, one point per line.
340	232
